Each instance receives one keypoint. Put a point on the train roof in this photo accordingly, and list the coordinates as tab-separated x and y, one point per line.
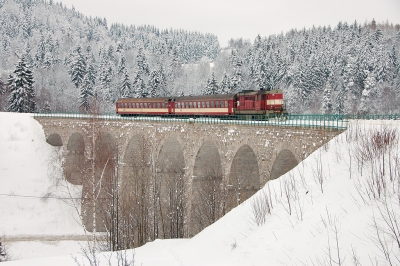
218	97
144	100
251	92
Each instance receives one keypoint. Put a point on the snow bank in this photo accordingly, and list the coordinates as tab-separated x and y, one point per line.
28	172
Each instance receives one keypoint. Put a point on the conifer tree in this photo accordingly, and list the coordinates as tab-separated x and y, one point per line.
77	67
22	93
157	83
326	101
125	88
212	86
224	87
86	91
142	72
237	78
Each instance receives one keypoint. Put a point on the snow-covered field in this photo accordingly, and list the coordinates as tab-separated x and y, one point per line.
339	206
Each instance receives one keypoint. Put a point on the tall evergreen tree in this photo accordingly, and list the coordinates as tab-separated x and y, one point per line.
224	87
211	87
86	91
157	83
125	88
77	67
237	77
22	93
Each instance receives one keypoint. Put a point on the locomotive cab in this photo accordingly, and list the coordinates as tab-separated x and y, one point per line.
260	102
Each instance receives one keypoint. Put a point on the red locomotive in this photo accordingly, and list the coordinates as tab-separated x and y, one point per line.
243	103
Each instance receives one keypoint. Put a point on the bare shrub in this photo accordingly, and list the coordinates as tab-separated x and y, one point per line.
386	230
4	254
123	258
332	251
378	150
261	207
318	172
290	196
89	254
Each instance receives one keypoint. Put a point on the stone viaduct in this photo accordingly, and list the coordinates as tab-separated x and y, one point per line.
187	174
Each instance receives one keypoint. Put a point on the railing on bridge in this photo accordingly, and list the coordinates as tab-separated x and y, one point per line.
325	122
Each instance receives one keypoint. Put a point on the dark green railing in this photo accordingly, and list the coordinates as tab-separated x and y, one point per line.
325	122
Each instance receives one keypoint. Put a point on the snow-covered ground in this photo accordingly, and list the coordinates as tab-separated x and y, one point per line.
330	209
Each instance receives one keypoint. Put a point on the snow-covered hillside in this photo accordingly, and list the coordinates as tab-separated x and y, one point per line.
30	206
339	206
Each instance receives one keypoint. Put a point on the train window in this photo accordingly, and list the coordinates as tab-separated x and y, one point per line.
216	104
203	104
190	105
212	104
141	105
226	104
208	104
194	104
222	104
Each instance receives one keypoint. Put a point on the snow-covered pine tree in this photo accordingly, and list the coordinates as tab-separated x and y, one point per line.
40	51
237	77
139	87
125	87
224	87
22	93
47	107
106	74
91	69
326	100
77	67
157	83
142	72
211	87
86	91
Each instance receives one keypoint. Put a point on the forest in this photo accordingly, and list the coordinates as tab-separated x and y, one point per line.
76	63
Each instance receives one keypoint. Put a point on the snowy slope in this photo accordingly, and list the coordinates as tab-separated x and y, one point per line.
322	212
28	172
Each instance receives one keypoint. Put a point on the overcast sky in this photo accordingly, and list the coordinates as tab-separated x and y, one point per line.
238	18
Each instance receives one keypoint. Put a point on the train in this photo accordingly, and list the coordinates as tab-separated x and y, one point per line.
247	103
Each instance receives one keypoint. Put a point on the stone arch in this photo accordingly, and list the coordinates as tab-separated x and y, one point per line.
206	182
244	177
54	140
97	192
170	190
75	161
135	191
284	162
